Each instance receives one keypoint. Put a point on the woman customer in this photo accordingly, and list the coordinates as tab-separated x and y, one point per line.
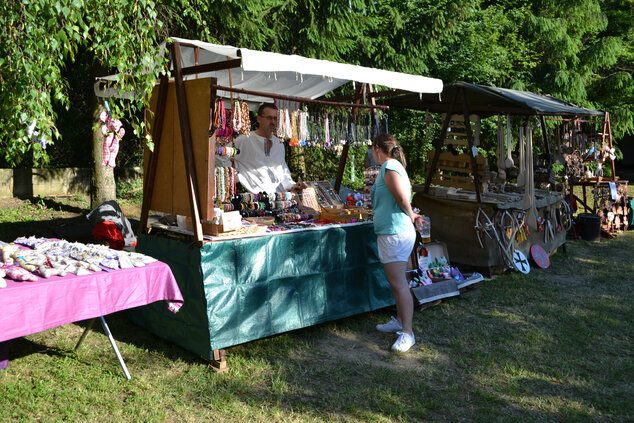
394	224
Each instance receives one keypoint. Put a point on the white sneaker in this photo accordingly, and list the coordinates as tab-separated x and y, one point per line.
404	342
393	326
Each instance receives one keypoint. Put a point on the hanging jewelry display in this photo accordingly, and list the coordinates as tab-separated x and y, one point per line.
246	120
237	116
225	184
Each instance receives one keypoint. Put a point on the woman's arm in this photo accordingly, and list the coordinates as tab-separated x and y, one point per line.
393	182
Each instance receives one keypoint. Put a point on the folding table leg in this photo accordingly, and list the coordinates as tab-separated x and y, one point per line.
83	335
114	345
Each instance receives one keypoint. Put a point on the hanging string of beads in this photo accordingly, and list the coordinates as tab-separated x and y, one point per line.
237	116
225	184
246	120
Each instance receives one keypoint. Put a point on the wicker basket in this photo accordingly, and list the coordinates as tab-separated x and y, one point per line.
347	215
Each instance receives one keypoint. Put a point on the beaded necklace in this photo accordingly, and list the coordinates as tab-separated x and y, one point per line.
246	121
237	116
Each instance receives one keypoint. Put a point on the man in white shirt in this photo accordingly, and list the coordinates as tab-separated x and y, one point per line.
261	163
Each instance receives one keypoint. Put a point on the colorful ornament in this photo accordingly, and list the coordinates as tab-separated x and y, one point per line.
113	131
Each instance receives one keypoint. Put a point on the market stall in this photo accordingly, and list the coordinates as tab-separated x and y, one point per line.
484	216
309	258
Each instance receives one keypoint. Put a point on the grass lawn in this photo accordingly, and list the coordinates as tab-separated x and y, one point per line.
551	346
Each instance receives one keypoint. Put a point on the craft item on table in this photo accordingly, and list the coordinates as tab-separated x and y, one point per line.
18	274
75	269
288	128
8	250
29	264
280	124
47	272
540	223
220	118
3	283
113	132
125	262
236	118
31	241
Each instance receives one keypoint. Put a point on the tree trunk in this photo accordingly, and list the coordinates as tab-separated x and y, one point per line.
102	187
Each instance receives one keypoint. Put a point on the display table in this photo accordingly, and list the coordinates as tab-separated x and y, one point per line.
244	289
453	219
30	307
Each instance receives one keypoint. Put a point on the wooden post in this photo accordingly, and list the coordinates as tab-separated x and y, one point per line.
439	144
474	164
219	363
607	125
545	136
211	172
346	147
190	170
157	131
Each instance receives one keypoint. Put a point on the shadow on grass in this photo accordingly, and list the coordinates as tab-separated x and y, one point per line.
55	204
74	229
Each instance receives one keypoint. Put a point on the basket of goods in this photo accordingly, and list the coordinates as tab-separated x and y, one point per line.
345	215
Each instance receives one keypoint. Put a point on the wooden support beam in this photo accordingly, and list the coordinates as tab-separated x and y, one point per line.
209	67
211	172
298	99
545	138
219	363
443	134
190	170
344	153
157	131
474	165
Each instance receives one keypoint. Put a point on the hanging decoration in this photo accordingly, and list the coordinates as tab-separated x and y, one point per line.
113	131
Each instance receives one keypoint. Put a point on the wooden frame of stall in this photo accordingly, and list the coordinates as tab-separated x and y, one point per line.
460	105
192	158
472	99
184	155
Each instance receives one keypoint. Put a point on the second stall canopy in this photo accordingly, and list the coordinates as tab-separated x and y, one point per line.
487	101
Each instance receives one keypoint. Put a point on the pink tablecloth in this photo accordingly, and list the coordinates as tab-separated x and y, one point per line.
30	307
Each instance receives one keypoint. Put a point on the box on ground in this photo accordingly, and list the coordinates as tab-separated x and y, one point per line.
440	287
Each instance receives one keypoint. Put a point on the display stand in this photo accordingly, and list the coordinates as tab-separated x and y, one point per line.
244	289
454	216
180	179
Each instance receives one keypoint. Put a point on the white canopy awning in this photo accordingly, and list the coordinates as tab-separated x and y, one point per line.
290	75
294	75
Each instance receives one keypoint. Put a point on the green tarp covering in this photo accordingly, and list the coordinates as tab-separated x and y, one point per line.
245	289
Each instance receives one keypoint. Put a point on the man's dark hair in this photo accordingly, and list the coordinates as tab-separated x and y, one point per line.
266	106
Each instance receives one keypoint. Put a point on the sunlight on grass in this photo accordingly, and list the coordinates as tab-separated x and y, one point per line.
554	345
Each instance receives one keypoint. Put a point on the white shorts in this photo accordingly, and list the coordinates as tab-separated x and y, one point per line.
397	247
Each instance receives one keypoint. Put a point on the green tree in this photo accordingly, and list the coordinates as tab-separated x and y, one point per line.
40	38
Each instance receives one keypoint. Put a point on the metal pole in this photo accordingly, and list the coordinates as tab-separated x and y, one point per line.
114	347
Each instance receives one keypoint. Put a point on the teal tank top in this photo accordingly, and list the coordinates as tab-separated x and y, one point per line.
388	217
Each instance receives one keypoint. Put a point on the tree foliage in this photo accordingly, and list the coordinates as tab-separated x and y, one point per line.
40	38
581	51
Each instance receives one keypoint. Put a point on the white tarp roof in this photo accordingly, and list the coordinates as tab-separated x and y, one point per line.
292	75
